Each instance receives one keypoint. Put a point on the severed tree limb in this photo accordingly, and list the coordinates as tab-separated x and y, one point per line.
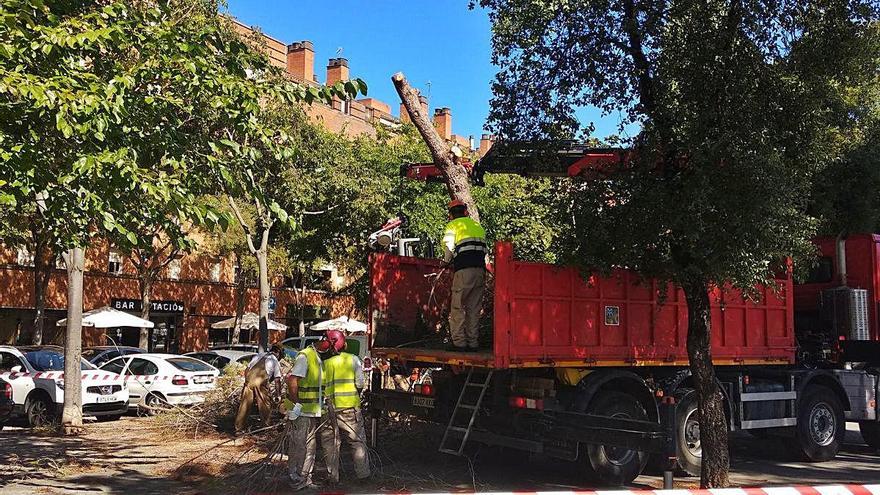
457	181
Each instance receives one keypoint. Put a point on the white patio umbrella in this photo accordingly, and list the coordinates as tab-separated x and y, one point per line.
108	317
343	323
249	321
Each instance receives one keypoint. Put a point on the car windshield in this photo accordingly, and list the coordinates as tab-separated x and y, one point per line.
88	354
188	364
50	361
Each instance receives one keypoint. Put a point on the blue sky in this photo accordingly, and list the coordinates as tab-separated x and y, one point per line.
437	42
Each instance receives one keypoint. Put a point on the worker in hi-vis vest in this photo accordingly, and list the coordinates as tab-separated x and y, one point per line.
343	381
304	406
464	246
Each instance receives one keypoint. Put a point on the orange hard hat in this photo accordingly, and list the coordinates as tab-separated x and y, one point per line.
333	339
455	203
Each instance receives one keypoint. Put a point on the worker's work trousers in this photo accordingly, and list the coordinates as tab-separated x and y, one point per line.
468	285
349	427
302	445
256	389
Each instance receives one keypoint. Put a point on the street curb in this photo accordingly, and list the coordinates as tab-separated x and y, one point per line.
781	490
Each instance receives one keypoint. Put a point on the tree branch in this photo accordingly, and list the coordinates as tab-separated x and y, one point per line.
244	225
457	180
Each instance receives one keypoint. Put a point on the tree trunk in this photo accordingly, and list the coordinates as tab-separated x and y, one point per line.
145	280
262	262
240	290
713	423
457	181
42	272
71	414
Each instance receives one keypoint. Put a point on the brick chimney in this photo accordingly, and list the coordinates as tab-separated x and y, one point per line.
301	60
486	141
443	122
423	102
337	70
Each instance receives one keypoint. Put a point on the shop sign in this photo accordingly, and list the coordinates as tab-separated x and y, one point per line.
135	305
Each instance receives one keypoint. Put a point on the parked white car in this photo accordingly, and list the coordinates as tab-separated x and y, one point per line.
36	375
220	358
157	380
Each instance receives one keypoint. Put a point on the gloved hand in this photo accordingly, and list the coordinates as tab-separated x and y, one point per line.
295	411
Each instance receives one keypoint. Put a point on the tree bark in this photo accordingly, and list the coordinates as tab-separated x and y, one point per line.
713	422
457	181
240	290
145	281
263	264
42	272
71	414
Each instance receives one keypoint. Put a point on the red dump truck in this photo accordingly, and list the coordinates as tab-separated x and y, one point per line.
595	368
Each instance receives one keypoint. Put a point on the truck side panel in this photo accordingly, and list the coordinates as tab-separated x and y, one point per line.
549	314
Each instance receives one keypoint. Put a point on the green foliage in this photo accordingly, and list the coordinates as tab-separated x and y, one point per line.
733	127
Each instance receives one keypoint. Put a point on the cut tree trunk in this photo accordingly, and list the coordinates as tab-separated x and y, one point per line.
71	413
146	285
713	422
262	255
457	181
42	272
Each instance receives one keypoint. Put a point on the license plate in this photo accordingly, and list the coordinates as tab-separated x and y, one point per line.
103	399
423	402
203	379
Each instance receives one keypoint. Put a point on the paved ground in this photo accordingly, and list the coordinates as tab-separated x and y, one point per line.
135	457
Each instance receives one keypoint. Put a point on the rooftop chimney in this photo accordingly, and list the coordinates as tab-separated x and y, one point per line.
486	141
301	60
337	70
423	102
443	122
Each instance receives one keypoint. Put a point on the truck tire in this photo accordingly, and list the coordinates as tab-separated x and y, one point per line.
612	464
39	411
687	432
820	425
871	433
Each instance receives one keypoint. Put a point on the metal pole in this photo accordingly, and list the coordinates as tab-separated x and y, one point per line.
668	415
374	430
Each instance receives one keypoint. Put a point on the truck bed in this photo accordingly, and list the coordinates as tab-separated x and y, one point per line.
542	315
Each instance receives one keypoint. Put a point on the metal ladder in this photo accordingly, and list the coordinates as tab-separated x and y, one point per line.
454	431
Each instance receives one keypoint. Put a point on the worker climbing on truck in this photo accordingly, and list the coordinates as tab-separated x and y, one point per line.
464	247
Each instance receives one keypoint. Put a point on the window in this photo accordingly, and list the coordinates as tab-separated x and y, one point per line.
174	269
23	256
114	262
187	364
114	366
9	361
59	262
215	271
822	272
142	367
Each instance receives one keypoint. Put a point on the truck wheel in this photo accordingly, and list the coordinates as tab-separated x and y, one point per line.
821	425
616	465
687	432
39	412
870	433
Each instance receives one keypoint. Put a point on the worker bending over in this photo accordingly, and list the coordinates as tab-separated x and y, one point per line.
464	245
263	370
344	379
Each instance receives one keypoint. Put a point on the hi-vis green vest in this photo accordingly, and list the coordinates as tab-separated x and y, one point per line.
310	385
470	243
339	381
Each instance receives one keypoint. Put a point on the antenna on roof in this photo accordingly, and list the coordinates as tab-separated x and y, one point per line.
338	51
428	84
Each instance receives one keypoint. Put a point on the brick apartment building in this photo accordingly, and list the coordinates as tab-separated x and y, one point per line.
199	289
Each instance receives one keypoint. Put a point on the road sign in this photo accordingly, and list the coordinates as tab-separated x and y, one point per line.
272	304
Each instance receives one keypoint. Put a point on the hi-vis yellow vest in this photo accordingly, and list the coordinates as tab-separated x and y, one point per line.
470	243
310	385
339	380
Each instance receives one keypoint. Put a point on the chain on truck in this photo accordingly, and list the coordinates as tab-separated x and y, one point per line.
596	370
